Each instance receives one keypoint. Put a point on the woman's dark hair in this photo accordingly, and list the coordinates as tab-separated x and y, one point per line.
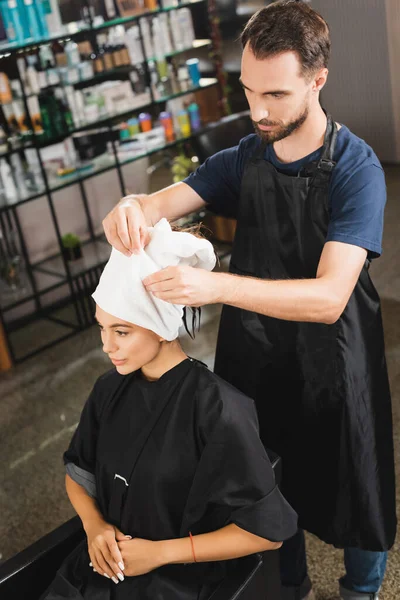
196	230
289	26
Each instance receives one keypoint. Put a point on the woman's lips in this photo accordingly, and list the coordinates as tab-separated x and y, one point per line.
117	362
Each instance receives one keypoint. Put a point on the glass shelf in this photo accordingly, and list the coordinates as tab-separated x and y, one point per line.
205	82
115	72
196	44
45	282
8	48
94	254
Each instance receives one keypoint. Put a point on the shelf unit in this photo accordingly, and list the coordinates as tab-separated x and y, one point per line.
74	281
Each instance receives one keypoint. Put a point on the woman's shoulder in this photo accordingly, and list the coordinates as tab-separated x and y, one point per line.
217	397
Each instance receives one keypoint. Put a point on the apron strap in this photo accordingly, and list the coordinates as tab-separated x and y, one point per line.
326	164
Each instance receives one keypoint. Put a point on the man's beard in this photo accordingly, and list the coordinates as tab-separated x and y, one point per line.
281	131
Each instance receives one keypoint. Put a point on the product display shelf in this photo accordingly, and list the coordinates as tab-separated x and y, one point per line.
54	283
107	162
9	48
109	118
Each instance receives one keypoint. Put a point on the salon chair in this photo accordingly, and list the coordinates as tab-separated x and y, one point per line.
27	575
227	133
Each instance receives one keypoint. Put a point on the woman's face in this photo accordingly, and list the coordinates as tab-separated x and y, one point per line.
128	346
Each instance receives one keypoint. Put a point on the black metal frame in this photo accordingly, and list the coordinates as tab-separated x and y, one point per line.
80	284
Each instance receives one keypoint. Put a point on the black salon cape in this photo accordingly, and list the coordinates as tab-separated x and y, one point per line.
188	446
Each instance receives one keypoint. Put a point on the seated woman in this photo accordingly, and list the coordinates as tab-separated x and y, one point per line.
166	469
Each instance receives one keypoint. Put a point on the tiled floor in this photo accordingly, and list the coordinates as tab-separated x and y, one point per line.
40	402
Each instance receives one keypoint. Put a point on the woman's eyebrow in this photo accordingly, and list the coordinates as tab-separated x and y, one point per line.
115	325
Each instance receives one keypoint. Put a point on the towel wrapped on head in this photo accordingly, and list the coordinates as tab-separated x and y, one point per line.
121	293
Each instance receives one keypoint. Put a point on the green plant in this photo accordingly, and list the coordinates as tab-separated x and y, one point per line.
182	166
70	240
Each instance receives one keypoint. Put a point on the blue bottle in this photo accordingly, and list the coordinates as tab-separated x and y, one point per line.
41	18
8	25
31	19
23	17
15	20
194	116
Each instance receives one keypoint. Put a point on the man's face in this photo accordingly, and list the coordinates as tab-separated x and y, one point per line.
278	95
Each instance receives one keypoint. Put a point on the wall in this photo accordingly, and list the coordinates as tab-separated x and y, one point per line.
362	77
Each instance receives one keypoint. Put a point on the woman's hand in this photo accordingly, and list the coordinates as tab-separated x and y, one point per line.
125	226
103	549
140	556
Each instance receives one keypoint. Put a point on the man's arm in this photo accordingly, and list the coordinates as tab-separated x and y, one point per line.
320	300
126	225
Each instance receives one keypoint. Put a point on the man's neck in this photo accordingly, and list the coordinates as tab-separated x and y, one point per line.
302	142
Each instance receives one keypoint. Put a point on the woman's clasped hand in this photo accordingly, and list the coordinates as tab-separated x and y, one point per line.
116	555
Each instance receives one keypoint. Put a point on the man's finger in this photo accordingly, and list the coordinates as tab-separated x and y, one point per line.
144	236
122	232
163	275
114	239
173	297
134	231
168	285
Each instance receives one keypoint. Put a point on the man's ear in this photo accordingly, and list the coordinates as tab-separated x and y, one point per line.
320	80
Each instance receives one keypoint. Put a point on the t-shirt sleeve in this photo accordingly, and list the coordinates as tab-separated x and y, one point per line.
235	482
80	457
218	179
357	210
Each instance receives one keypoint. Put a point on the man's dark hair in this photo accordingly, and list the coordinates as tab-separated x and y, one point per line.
289	26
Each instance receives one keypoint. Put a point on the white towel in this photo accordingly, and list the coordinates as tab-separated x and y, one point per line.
122	294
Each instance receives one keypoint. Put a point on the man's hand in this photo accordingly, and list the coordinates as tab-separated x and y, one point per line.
103	549
185	285
140	556
125	226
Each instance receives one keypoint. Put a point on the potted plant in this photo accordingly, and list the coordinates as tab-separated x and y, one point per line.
72	249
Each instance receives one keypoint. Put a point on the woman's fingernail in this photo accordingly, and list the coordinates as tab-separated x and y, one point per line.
105	575
121	566
128	537
120	576
90	565
115	580
94	570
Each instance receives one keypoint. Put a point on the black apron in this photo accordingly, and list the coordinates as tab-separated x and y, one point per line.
321	391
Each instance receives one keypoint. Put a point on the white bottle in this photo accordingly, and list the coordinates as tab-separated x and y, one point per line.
175	27
158	45
19	174
186	26
148	46
80	106
8	181
165	33
72	52
53	17
132	42
69	92
32	75
110	9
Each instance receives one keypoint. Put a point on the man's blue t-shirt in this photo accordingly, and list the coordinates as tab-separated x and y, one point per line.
357	194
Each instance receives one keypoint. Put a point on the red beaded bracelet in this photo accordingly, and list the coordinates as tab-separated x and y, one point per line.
191	540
